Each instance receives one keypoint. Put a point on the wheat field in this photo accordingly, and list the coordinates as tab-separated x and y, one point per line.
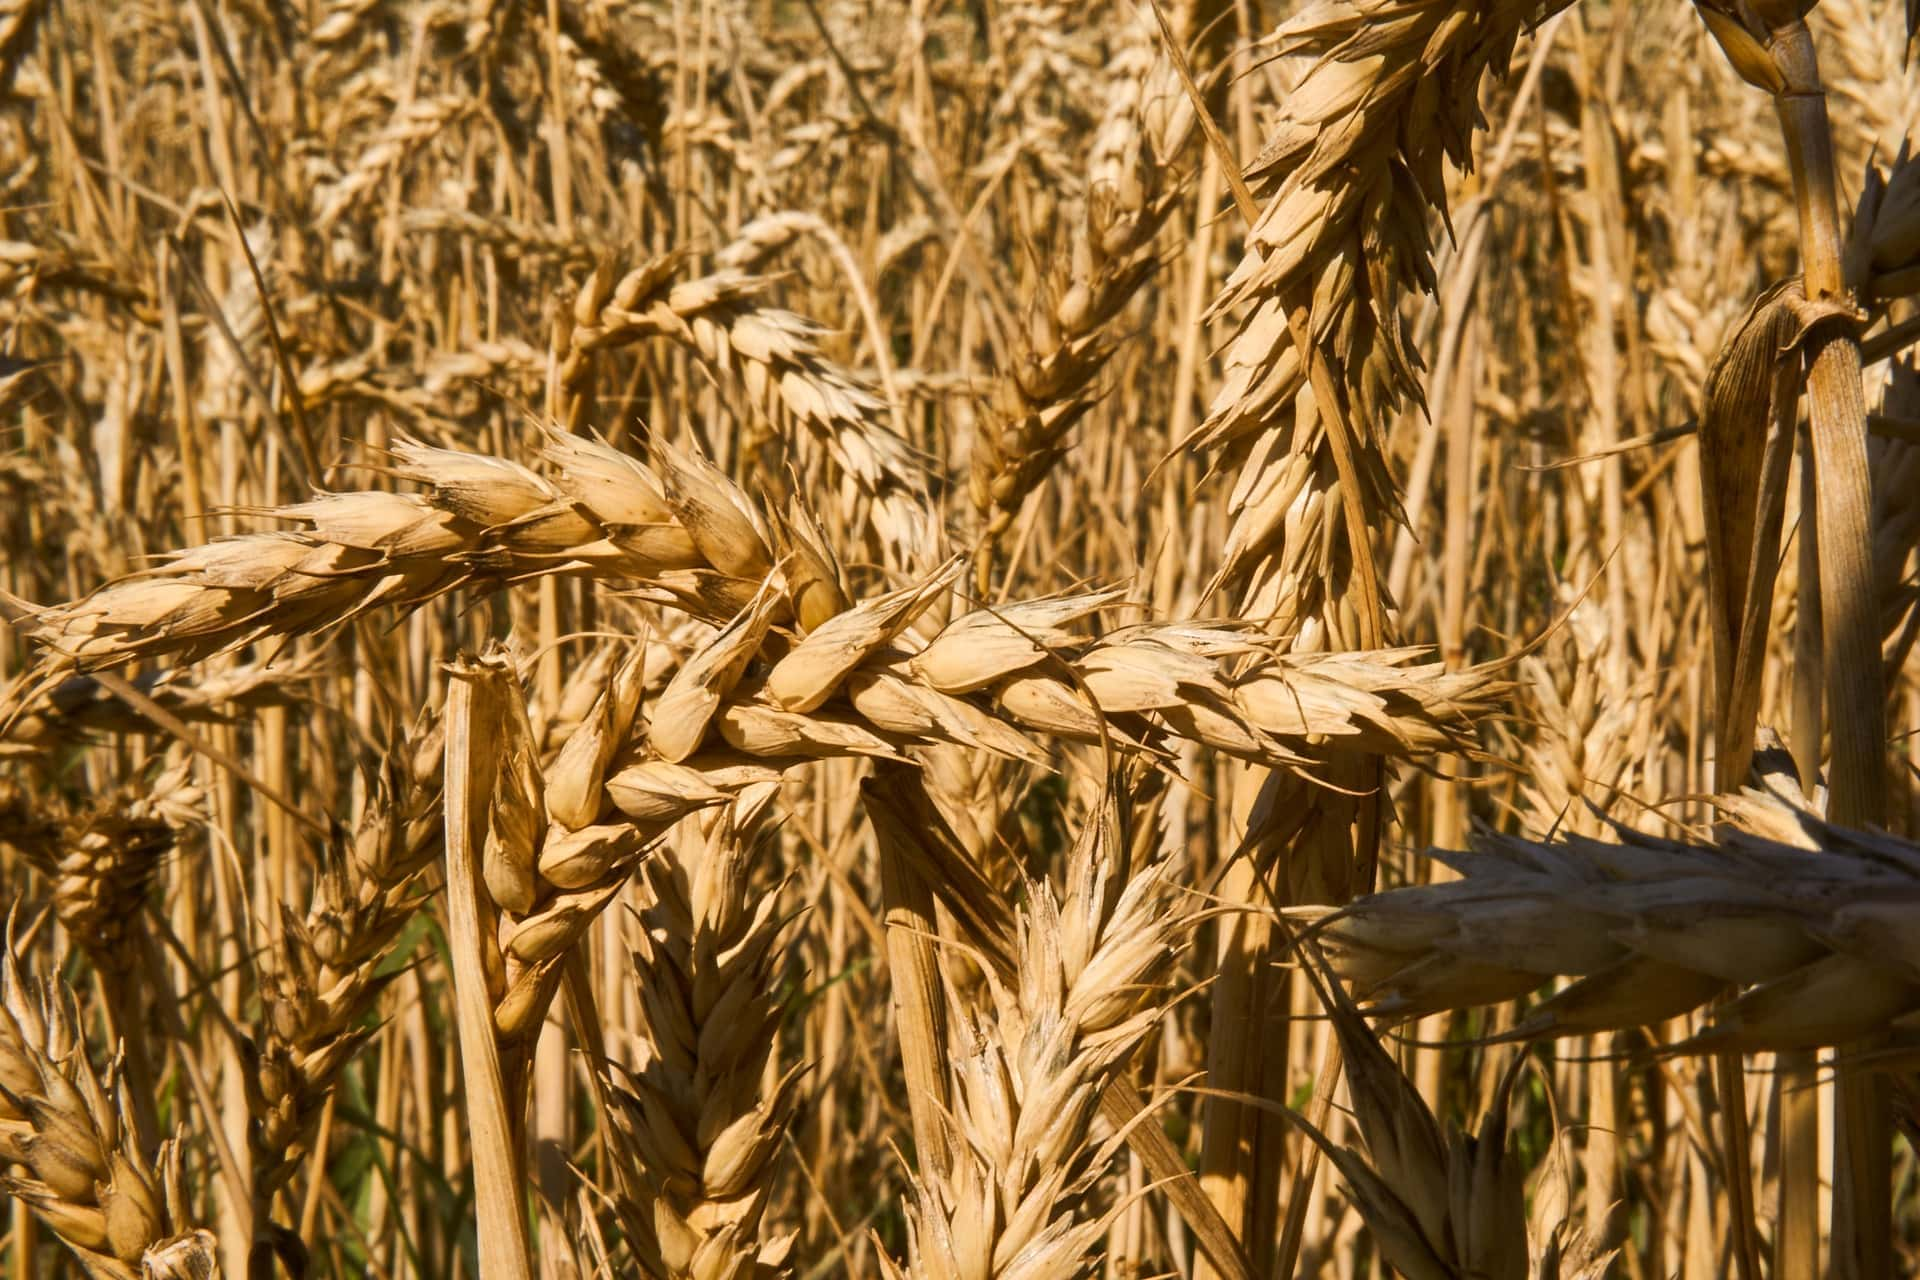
1007	640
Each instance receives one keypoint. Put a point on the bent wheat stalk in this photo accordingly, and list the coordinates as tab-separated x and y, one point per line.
1746	433
476	710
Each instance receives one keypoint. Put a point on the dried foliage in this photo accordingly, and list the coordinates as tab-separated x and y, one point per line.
756	640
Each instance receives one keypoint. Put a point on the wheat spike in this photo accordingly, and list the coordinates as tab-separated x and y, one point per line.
695	540
1072	329
1588	743
699	1119
1654	928
1440	1202
1340	202
1339	243
775	357
324	978
413	126
100	862
51	719
1017	1193
121	1213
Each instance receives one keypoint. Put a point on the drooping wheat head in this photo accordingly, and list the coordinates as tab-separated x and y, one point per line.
1805	921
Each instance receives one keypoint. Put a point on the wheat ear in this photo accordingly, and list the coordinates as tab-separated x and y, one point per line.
1440	1202
1818	948
100	862
122	1214
856	681
773	356
700	1118
1339	204
49	720
1072	329
324	981
1017	1192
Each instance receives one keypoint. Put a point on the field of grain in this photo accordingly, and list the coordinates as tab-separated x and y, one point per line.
959	639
